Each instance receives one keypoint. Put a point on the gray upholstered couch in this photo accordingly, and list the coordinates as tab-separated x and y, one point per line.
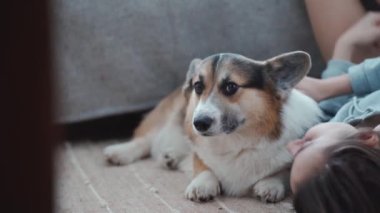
120	56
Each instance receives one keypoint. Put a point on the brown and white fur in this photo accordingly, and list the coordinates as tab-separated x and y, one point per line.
237	115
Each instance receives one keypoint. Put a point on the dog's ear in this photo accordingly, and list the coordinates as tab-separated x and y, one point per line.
287	69
188	85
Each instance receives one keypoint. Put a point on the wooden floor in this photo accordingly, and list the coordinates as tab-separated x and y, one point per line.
85	183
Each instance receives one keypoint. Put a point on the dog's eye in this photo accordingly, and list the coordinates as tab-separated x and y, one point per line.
230	88
198	87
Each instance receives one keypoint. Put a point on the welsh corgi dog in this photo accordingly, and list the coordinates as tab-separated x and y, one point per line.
234	117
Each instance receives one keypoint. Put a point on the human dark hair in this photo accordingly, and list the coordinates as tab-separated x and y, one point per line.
349	182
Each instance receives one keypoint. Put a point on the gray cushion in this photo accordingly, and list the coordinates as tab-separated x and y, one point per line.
120	56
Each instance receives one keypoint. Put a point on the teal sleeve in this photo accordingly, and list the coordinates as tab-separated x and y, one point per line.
336	67
365	77
332	105
358	109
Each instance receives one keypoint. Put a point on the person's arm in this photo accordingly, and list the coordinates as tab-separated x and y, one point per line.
361	79
365	77
321	89
330	18
360	41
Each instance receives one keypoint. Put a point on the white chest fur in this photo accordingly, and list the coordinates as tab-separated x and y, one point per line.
239	162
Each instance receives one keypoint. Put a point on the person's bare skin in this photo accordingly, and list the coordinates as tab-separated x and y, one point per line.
364	36
360	40
330	19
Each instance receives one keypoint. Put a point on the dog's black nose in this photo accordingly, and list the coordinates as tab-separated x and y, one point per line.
203	124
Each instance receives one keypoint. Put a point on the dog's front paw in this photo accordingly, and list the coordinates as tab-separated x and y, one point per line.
121	154
169	160
270	189
203	187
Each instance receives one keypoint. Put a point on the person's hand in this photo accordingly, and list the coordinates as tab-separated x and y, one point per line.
360	41
312	87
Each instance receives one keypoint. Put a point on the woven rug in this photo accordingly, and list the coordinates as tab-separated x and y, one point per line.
85	183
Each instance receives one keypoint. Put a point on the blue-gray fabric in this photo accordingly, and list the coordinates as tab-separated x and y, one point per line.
118	56
365	77
332	105
365	99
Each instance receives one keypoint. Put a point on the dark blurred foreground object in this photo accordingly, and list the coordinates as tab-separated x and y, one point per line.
26	131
